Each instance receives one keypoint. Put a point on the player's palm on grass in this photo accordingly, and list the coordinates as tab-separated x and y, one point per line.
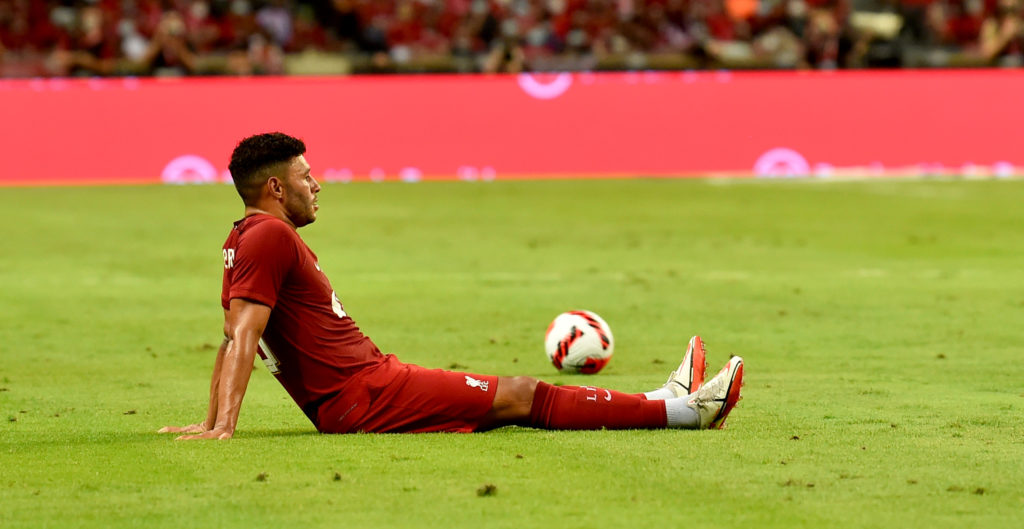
192	428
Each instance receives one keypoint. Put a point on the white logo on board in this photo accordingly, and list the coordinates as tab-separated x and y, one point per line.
781	162
549	90
189	169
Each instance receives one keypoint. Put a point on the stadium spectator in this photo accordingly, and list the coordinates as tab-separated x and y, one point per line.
507	56
827	43
965	19
88	44
169	52
275	19
1002	35
342	23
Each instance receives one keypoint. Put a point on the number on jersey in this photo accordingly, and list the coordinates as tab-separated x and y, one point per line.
336	305
269	359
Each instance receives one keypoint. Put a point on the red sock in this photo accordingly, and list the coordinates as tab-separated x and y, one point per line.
589	408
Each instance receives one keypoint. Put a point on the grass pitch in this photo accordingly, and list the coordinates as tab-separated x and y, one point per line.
879	321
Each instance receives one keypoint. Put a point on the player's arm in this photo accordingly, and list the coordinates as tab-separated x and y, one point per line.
211	409
244	326
211	413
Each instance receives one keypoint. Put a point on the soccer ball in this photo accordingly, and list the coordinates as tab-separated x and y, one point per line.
579	341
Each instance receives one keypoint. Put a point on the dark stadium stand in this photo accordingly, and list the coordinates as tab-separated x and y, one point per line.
41	38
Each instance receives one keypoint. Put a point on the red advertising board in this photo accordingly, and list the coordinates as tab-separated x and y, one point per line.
61	131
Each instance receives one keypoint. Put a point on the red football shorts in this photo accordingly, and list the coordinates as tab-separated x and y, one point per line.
397	397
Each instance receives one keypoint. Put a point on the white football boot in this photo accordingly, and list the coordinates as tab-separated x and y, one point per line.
714	400
690	375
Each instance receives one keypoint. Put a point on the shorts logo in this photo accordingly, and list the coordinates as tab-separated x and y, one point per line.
474	383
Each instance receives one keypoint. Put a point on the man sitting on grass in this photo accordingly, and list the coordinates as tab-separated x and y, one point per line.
279	304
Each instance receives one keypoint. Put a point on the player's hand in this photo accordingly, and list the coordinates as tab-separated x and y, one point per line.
192	428
216	433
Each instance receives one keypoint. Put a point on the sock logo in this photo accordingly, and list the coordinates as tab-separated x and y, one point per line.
592	393
474	383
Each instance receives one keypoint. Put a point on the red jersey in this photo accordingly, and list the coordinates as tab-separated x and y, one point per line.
310	344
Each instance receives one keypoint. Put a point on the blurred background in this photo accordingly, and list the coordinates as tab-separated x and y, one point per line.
57	38
146	91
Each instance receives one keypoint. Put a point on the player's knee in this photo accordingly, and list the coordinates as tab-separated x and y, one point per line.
525	387
515	396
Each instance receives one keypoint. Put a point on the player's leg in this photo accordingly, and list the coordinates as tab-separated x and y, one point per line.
685	390
528	402
714	400
398	397
513	401
688	377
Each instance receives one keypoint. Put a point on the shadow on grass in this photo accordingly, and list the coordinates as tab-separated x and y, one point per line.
273	433
121	437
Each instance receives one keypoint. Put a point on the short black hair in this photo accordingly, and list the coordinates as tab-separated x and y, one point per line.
254	155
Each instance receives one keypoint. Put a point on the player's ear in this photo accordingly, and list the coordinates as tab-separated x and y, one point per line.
275	186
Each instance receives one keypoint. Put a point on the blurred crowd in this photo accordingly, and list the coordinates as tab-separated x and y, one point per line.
245	37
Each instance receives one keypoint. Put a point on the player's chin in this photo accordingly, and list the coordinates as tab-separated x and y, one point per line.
304	220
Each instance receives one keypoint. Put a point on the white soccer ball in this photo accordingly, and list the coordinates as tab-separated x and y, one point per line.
579	341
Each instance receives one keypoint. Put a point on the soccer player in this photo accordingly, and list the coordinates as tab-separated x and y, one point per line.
279	304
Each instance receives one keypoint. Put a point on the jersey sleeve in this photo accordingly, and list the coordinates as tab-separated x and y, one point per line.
265	256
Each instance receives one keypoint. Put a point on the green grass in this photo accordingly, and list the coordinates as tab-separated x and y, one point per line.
880	322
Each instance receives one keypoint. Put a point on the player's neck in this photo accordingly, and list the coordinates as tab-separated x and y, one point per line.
273	212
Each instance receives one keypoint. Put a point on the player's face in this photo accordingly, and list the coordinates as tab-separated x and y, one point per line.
300	198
